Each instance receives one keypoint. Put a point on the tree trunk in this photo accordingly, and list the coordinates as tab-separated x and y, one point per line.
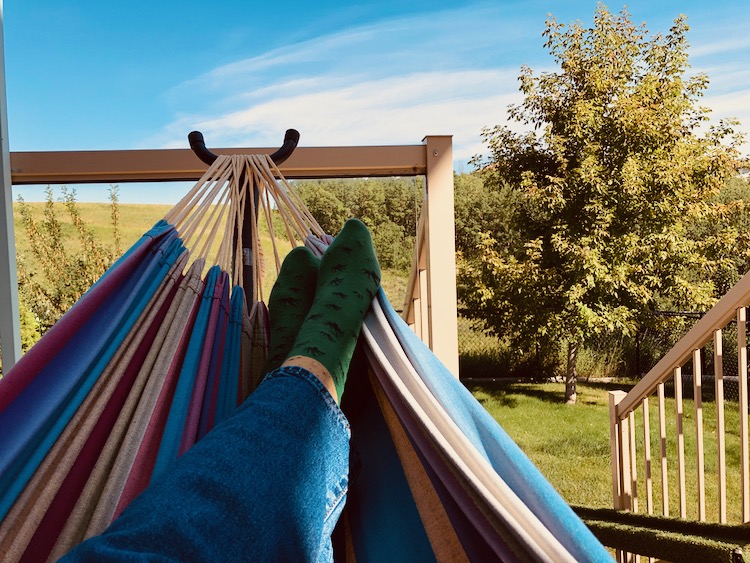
571	374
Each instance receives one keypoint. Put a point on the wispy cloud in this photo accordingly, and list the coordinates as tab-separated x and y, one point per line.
395	110
393	82
721	46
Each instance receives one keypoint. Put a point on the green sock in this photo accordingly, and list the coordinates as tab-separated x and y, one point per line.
348	279
290	300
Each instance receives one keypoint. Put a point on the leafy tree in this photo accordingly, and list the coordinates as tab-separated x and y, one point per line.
480	208
617	166
388	206
723	234
56	273
29	328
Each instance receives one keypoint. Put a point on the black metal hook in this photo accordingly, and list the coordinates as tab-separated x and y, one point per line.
198	144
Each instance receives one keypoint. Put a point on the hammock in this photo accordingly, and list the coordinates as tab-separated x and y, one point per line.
164	346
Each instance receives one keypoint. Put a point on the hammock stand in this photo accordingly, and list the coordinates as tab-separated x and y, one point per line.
450	484
433	159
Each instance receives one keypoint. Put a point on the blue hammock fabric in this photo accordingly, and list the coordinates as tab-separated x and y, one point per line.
495	445
482	538
433	477
178	411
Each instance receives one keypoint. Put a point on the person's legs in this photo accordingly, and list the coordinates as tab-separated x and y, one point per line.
269	482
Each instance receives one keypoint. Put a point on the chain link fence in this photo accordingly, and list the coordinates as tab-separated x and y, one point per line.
482	355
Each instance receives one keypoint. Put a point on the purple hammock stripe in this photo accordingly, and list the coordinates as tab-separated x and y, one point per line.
145	457
192	419
215	373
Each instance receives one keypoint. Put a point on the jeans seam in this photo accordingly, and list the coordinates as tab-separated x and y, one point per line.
338	499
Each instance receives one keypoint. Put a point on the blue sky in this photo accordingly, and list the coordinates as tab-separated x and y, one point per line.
85	75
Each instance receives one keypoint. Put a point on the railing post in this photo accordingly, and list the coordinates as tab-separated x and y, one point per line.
720	440
10	324
647	475
441	251
662	414
618	457
619	441
632	462
698	405
680	434
742	384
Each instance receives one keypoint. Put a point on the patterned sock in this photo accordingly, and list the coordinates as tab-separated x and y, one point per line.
290	300
348	279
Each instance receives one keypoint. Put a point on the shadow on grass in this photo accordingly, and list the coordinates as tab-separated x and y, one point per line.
625	385
502	396
503	392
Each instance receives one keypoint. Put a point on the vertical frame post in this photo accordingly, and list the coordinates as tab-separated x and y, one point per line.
441	251
10	324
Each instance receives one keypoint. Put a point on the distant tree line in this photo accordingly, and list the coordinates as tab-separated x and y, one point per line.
390	208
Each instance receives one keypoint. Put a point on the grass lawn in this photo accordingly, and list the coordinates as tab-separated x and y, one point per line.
570	444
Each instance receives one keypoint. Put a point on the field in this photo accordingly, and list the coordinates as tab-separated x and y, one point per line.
136	219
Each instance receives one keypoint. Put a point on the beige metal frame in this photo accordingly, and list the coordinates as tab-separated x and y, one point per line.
430	305
433	159
731	308
181	164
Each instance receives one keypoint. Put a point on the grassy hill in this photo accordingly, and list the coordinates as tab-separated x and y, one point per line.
135	219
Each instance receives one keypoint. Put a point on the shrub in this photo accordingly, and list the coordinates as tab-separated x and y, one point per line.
59	269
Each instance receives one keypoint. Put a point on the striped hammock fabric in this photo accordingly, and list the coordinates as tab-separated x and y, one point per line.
164	346
458	488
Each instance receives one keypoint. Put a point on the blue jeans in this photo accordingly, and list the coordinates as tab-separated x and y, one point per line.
267	484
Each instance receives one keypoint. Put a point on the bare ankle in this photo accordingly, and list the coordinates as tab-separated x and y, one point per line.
317	369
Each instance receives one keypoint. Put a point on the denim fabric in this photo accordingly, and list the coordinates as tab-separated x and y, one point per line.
267	484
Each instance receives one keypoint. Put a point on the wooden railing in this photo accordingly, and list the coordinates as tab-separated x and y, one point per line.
687	457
